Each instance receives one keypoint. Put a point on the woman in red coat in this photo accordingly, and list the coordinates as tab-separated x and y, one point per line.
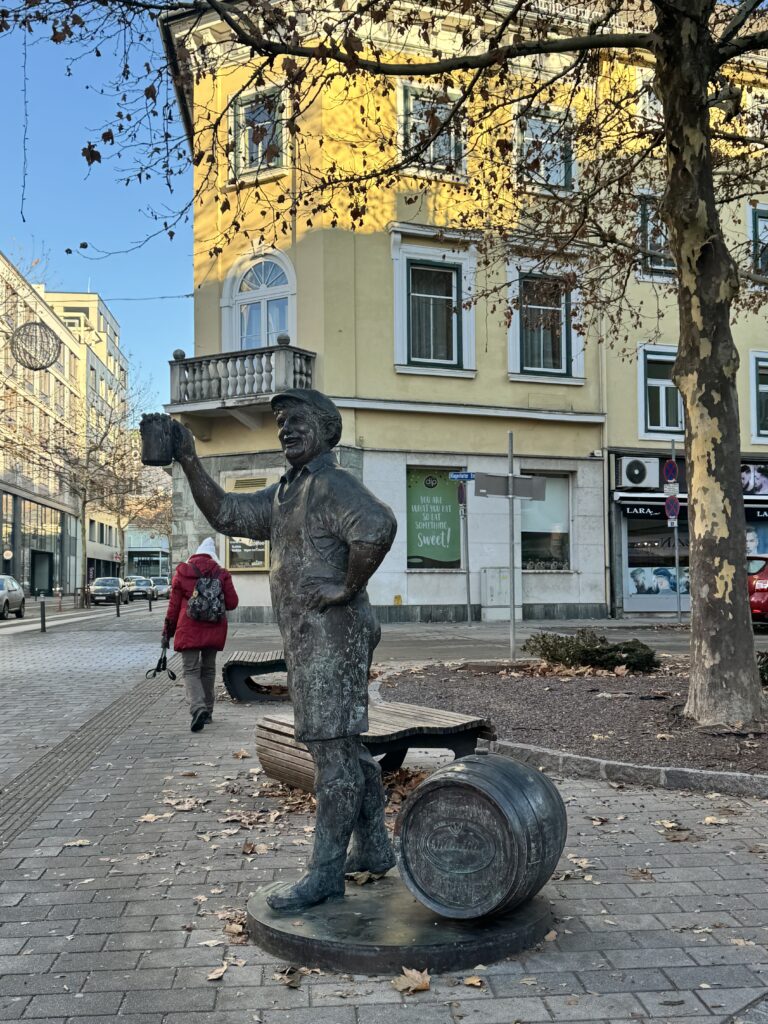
198	641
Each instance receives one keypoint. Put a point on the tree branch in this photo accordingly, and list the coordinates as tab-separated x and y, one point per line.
744	44
741	15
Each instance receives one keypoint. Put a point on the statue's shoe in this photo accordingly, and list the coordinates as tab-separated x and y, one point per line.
312	888
378	860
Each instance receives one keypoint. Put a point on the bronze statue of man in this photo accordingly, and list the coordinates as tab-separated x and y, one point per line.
328	535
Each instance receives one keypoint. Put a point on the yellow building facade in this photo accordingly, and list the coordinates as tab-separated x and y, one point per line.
392	321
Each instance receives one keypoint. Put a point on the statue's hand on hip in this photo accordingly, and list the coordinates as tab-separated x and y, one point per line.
321	596
183	442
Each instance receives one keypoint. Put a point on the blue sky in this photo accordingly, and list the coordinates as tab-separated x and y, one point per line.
65	205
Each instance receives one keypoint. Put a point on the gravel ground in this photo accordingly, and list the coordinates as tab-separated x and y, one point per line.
601	714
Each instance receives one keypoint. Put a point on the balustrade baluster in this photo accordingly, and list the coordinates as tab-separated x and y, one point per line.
258	369
205	379
249	374
268	374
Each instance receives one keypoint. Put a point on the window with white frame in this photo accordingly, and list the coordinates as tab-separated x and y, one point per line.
654	240
258	144
545	150
262	304
426	128
434	324
663	402
434	317
760	240
545	325
760	390
545	528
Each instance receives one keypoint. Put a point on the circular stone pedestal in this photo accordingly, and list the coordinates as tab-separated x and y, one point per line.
380	927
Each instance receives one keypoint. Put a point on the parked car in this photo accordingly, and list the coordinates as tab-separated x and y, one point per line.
140	586
108	589
11	598
162	586
757	582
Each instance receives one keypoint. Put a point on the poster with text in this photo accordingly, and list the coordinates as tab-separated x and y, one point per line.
434	537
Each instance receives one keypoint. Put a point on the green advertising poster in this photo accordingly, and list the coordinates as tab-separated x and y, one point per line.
434	537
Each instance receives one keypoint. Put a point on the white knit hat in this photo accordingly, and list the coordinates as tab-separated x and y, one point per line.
208	547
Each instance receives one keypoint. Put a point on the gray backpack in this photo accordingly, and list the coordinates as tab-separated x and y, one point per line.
206	603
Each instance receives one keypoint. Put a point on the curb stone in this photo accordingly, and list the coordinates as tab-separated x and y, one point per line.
755	1012
583	767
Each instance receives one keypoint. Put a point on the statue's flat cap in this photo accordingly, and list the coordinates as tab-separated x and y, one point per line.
318	401
308	396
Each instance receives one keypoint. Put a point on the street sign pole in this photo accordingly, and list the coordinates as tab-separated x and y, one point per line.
511	473
464	513
677	556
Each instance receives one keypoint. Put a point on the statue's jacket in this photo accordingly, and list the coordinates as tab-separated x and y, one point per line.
311	517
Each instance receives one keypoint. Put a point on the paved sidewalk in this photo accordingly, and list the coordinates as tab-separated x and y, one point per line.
115	929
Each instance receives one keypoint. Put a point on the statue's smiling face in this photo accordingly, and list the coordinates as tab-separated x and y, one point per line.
300	434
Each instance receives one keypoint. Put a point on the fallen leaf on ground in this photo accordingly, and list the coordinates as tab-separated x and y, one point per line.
474	982
741	942
712	820
361	877
258	848
212	942
550	936
597	820
664	736
411	981
667	823
189	803
188	775
218	972
233	928
289	976
78	842
156	817
241	754
528	981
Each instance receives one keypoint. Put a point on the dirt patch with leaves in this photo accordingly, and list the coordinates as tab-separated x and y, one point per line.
614	715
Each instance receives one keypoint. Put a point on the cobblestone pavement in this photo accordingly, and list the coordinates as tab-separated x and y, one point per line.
53	682
104	917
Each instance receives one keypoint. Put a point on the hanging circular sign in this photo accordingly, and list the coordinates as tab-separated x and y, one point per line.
7	554
670	471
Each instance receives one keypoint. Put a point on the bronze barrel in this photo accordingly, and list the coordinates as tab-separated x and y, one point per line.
480	836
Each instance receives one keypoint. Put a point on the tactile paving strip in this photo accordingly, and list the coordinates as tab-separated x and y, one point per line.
22	800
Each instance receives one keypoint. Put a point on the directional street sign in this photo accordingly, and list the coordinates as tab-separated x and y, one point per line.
670	471
672	507
493	485
461	476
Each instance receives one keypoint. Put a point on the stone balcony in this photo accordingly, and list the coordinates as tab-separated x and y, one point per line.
239	384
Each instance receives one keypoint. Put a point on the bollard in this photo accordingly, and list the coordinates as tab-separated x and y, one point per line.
42	615
117	603
149	601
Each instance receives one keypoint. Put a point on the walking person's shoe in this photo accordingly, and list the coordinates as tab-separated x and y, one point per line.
199	719
208	717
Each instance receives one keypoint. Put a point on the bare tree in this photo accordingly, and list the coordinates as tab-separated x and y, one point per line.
654	97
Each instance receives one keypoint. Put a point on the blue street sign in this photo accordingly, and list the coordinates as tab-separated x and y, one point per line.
461	476
672	507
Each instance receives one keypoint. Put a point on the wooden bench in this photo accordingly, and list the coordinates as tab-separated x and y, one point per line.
392	729
240	668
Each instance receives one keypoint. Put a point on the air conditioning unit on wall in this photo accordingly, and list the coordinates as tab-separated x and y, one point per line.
636	472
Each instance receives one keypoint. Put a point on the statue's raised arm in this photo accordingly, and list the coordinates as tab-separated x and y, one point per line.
236	515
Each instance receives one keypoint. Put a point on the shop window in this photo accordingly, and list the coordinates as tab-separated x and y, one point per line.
434	325
262	304
242	553
545	528
424	112
258	133
650	569
545	326
546	152
654	239
432	519
663	402
760	240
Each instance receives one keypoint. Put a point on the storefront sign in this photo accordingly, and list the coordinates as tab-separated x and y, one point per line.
754	478
432	522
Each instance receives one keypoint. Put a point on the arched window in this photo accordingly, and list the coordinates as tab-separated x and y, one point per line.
261	301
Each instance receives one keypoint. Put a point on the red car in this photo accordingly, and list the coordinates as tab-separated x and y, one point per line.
757	581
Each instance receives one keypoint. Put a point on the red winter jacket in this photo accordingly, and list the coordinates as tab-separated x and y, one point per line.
189	634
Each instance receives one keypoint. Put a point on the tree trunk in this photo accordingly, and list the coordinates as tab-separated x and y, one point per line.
724	684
